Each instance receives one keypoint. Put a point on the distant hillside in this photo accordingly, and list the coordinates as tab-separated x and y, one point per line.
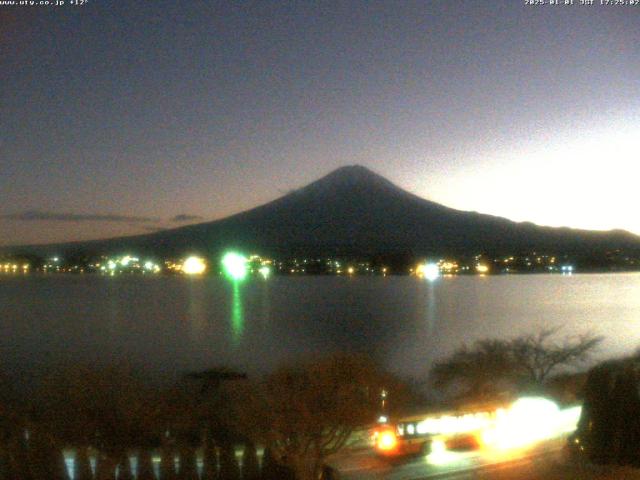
354	211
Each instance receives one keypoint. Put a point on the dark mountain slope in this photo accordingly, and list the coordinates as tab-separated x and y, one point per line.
355	211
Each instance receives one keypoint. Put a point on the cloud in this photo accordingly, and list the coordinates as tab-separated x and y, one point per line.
150	228
38	215
183	217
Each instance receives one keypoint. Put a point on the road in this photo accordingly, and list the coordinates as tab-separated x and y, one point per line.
533	463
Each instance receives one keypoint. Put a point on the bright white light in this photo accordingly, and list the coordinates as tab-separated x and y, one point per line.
527	421
151	267
386	440
70	463
430	271
568	419
438	446
265	272
235	265
125	260
194	266
439	454
452	425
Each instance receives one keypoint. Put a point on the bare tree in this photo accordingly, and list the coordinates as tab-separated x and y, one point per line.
479	371
538	355
491	366
308	412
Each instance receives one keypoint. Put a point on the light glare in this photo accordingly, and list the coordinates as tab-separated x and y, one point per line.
528	420
430	271
386	440
194	266
235	265
265	272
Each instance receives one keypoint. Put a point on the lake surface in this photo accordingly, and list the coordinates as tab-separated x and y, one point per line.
167	325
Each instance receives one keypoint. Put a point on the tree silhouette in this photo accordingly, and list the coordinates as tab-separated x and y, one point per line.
250	466
490	366
82	465
229	468
145	466
309	411
609	425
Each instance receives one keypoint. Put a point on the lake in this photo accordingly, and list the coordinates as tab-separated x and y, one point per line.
167	325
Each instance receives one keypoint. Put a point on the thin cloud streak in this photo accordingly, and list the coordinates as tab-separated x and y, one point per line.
183	217
152	229
41	216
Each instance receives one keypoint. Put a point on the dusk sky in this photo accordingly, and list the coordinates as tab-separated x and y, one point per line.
123	117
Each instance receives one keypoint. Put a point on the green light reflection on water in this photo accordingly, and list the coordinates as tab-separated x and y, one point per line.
237	314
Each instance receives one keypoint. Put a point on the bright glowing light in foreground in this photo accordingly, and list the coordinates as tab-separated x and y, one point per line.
528	420
525	422
438	446
386	440
430	271
235	265
439	454
452	425
194	266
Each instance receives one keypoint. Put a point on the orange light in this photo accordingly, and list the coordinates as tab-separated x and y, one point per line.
482	268
386	440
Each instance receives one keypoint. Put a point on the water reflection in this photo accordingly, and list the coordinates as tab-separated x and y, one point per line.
432	309
237	314
170	324
113	292
196	308
265	304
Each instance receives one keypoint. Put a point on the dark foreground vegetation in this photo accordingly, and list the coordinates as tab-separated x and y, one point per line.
535	363
608	433
221	425
609	430
214	425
